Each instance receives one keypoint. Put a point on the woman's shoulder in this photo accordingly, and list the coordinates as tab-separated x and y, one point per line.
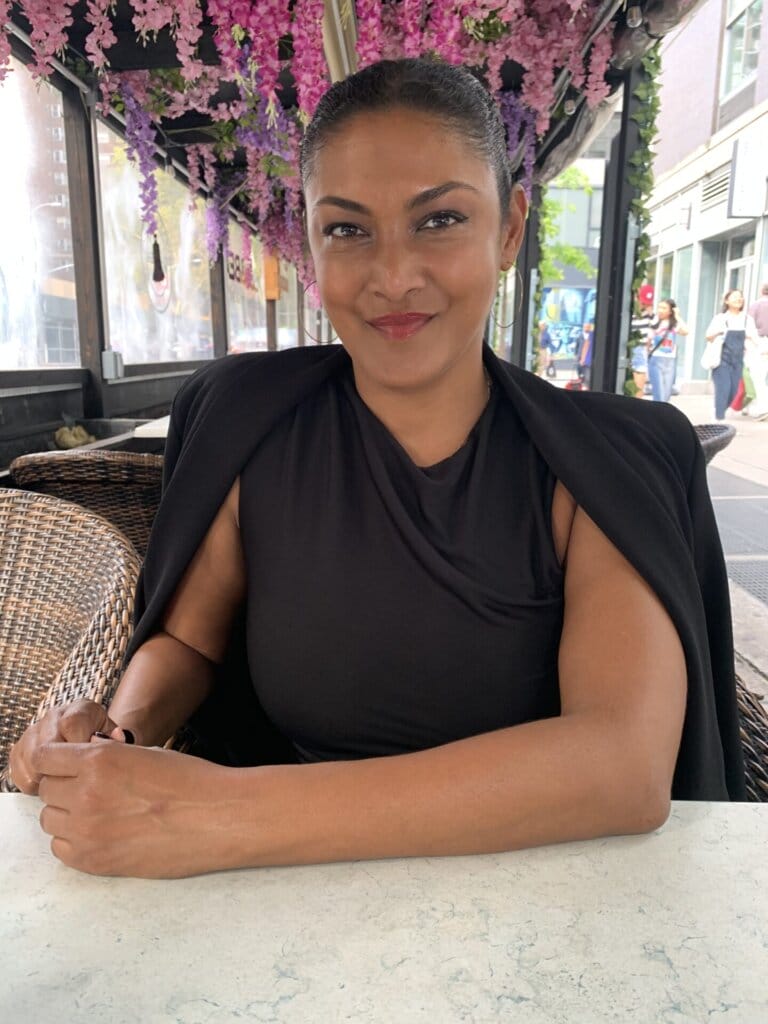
624	421
239	379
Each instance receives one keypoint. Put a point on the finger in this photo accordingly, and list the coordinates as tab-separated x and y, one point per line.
122	735
19	775
81	720
55	822
56	791
60	759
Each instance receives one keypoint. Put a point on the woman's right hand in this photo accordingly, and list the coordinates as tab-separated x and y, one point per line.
70	723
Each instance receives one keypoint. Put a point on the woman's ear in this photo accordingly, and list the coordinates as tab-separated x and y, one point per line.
513	227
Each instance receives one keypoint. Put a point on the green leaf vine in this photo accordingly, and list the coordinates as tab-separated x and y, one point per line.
640	176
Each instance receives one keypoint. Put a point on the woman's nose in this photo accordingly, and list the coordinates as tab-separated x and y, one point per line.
395	270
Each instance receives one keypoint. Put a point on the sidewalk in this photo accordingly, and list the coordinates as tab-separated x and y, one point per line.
746	458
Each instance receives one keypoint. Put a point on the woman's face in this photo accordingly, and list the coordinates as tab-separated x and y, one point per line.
735	300
664	311
404	223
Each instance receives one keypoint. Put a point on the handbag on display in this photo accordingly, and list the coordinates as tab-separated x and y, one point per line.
713	352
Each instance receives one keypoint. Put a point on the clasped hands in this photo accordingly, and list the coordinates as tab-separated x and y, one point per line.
116	809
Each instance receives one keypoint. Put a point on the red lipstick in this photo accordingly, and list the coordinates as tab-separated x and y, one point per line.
400	325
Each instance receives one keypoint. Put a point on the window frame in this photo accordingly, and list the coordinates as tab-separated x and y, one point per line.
731	17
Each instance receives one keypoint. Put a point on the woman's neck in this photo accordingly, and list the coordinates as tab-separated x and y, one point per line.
433	421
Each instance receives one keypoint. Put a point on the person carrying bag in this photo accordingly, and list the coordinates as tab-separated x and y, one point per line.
728	335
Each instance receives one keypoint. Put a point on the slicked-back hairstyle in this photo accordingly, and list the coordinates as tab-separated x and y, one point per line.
450	94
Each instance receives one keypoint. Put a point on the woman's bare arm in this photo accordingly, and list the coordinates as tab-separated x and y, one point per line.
174	671
603	767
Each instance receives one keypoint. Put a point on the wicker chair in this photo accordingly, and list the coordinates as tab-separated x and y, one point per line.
754	740
124	487
67	583
713	437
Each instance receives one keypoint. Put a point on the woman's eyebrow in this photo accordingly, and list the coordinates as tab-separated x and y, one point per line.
427	196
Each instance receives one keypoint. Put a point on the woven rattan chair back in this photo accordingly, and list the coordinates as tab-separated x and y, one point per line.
713	437
124	487
67	584
753	721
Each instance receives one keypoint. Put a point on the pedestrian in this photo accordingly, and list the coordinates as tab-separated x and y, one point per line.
547	346
735	332
584	369
662	349
756	357
641	324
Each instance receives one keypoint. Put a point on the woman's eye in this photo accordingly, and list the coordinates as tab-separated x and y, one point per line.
341	231
444	219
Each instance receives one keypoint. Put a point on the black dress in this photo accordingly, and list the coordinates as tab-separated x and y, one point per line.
625	463
393	608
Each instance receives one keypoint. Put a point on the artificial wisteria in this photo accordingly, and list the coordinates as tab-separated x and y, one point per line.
140	145
254	38
5	40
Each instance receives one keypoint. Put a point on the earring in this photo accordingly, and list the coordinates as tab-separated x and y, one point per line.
519	293
316	340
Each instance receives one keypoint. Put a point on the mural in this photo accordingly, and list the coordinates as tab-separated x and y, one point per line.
566	311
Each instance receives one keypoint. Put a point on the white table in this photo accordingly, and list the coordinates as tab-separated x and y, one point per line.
153	428
670	928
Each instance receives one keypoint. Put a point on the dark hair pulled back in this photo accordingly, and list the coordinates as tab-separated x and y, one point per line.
672	313
448	93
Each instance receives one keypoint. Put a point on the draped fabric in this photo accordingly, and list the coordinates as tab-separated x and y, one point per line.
628	464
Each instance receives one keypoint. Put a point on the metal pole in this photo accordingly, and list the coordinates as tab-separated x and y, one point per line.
618	236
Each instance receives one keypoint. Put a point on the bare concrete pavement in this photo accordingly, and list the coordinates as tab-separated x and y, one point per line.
738	483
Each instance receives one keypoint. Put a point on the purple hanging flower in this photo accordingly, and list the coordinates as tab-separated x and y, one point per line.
140	146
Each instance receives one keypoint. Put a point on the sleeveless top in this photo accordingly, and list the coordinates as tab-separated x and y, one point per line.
392	608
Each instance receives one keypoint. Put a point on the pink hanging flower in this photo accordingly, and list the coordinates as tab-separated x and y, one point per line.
410	15
247	255
391	33
102	35
50	20
187	27
5	39
195	156
444	34
149	16
597	88
308	66
370	37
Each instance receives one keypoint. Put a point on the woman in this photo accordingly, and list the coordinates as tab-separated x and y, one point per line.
408	582
738	332
662	349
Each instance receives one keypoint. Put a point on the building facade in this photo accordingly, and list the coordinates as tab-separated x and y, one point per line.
709	226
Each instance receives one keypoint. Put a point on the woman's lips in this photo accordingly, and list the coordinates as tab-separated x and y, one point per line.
400	325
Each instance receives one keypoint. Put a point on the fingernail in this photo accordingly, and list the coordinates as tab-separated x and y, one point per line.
129	737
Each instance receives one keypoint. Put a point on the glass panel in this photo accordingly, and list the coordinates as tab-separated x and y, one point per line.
667	265
504	310
38	313
148	321
317	330
752	37
573	219
287	308
742	47
246	307
735	54
682	294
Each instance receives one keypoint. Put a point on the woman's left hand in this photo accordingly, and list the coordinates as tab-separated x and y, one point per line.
114	809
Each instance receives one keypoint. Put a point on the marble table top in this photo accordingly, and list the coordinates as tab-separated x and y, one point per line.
669	928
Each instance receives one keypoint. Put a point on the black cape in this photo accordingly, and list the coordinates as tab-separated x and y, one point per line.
636	468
